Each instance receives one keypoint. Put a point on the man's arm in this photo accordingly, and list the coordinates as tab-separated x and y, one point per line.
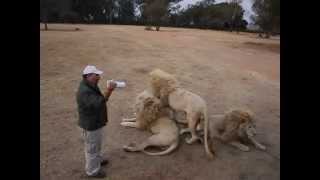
107	94
109	91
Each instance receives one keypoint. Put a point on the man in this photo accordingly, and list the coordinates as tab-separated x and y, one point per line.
93	116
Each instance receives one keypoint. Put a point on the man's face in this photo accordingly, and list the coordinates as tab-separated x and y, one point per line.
93	78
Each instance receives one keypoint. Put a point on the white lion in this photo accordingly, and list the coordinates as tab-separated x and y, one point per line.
235	127
167	89
150	116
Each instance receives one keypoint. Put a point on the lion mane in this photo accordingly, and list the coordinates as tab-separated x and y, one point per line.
231	125
162	84
147	108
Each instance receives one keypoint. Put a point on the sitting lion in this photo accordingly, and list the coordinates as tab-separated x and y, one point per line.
234	127
150	116
147	109
167	89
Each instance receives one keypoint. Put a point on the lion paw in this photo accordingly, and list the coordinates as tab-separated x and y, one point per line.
183	131
245	148
262	147
191	140
126	148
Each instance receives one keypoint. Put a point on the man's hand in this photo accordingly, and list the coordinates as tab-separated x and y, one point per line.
109	90
112	86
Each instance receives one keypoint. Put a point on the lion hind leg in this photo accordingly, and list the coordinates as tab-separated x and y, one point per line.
185	130
134	148
129	119
130	124
159	140
200	126
193	139
181	121
171	148
154	140
240	146
192	123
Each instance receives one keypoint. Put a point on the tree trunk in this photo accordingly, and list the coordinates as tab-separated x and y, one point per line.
111	12
268	35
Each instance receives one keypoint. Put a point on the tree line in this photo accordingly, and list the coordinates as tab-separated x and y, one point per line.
205	14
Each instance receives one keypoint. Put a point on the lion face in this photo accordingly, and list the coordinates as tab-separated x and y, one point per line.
242	121
152	102
248	129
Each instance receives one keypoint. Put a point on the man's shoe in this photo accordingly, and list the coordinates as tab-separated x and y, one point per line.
104	162
100	174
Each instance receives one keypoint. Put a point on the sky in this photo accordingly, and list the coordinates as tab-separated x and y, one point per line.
246	5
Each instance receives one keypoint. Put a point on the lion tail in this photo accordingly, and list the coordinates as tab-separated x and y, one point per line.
172	147
206	124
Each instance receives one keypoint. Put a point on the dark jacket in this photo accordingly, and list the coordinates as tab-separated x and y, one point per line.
92	107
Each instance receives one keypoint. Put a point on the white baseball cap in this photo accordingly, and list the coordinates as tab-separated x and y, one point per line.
91	69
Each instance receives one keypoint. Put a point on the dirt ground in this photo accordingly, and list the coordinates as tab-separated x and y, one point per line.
227	69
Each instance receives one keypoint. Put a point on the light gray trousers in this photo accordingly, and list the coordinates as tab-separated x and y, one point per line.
92	149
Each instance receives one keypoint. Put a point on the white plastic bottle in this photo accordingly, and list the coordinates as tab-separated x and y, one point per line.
120	84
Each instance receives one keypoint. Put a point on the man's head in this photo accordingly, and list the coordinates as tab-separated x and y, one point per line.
91	74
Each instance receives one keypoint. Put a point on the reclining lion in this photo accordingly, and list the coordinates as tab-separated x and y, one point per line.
167	89
150	116
233	128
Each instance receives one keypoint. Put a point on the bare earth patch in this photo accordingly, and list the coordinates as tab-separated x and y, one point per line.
227	69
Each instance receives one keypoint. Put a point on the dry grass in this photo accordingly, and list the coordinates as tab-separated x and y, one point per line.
204	61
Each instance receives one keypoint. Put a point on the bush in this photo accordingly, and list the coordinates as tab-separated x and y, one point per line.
148	28
71	17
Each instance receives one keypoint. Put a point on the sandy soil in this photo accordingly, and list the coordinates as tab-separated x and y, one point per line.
227	69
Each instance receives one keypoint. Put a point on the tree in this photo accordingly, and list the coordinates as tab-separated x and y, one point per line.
49	11
125	11
203	14
90	10
206	14
206	3
173	14
236	15
44	13
109	10
155	12
267	15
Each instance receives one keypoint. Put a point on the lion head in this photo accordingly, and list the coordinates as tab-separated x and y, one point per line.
162	84
247	129
238	124
147	108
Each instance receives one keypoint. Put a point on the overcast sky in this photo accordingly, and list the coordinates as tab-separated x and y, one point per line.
246	5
